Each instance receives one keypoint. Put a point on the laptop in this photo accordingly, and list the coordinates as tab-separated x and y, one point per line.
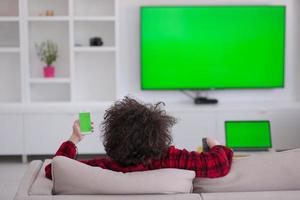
248	135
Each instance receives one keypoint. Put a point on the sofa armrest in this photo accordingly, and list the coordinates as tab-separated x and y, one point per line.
262	195
28	179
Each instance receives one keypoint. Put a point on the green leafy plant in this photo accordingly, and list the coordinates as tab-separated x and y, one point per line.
47	51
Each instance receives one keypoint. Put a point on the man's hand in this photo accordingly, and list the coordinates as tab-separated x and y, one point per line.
212	142
76	135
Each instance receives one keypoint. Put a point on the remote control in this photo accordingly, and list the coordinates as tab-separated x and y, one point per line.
205	146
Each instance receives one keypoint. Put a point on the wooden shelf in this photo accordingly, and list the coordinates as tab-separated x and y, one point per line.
102	18
48	18
9	50
94	49
50	80
9	19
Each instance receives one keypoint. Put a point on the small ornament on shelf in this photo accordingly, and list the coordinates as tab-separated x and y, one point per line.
96	41
48	13
47	52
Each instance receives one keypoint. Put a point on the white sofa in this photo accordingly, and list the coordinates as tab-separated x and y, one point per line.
274	176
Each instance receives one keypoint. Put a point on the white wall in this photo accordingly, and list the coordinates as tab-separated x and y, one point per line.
129	58
296	48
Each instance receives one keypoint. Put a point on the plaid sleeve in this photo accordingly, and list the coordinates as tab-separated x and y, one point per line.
67	149
215	163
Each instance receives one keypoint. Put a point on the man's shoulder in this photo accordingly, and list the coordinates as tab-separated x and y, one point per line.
173	150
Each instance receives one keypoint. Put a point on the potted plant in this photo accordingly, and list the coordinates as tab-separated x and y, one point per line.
47	53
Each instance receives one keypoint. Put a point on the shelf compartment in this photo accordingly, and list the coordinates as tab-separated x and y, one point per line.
10	76
57	32
94	7
95	76
49	92
84	30
9	34
9	7
37	7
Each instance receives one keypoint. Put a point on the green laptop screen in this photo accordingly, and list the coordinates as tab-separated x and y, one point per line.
248	134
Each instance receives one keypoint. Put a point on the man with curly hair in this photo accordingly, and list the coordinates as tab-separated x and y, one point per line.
137	138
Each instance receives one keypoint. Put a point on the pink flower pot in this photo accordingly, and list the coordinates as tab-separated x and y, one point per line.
49	71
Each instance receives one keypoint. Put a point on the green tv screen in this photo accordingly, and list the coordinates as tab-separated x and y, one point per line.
207	47
248	134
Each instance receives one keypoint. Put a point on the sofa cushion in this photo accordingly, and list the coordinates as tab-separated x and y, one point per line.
261	172
42	185
73	177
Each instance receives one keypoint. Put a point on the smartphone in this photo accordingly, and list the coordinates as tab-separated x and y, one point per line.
85	122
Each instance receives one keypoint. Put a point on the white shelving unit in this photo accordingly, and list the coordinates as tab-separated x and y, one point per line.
83	73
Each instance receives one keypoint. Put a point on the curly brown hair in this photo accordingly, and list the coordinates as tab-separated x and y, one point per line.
135	132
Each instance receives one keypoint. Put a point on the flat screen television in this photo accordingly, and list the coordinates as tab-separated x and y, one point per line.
212	47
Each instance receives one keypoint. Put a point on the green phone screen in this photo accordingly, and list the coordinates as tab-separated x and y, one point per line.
85	122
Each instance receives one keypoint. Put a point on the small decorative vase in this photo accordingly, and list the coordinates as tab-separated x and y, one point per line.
49	72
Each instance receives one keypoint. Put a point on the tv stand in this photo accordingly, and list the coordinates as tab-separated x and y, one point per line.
205	100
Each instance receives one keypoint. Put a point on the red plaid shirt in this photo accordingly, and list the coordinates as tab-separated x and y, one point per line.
212	164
